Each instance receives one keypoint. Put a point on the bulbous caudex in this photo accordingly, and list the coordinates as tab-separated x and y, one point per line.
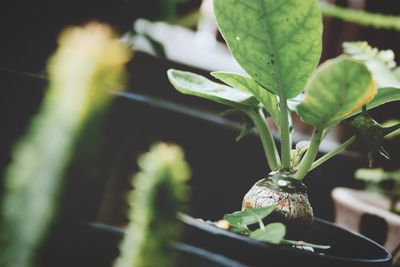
287	194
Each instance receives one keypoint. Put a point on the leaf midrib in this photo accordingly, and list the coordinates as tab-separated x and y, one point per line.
275	64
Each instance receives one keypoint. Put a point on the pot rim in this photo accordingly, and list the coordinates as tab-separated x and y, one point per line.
204	226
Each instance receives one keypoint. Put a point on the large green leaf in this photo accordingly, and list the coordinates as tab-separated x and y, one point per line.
338	88
384	95
268	100
383	68
380	63
197	85
272	233
277	42
248	216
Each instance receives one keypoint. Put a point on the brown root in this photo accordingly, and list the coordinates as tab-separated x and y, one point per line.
287	194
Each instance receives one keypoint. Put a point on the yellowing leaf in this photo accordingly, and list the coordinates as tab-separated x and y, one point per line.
339	87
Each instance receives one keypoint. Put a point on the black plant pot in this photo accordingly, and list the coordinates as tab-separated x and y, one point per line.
205	245
98	245
348	249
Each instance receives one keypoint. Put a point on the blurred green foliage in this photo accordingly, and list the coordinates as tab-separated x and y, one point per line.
364	18
383	182
159	194
89	61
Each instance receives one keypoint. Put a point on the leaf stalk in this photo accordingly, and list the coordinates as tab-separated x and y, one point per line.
271	152
286	145
309	157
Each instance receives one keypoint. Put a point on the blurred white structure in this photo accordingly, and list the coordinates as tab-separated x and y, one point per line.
193	48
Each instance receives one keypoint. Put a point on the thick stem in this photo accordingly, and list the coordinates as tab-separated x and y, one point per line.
333	153
271	138
309	157
361	17
286	145
344	145
271	152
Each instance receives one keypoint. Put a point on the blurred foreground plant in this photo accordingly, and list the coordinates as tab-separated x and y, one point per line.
382	182
361	17
89	61
159	195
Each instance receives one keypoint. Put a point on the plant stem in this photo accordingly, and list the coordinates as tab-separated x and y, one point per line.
309	157
261	224
361	17
390	129
344	145
333	153
286	145
275	150
271	152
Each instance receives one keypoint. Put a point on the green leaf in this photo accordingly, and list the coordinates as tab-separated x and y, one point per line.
389	125
380	63
383	68
384	95
301	149
295	102
245	83
230	111
338	88
240	229
372	175
248	216
272	233
197	85
247	126
277	42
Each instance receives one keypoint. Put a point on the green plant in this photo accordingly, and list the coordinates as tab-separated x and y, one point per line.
383	182
159	194
274	233
89	61
381	64
278	43
364	18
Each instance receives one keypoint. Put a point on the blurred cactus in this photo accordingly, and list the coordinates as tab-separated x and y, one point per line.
89	61
382	182
159	194
361	17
